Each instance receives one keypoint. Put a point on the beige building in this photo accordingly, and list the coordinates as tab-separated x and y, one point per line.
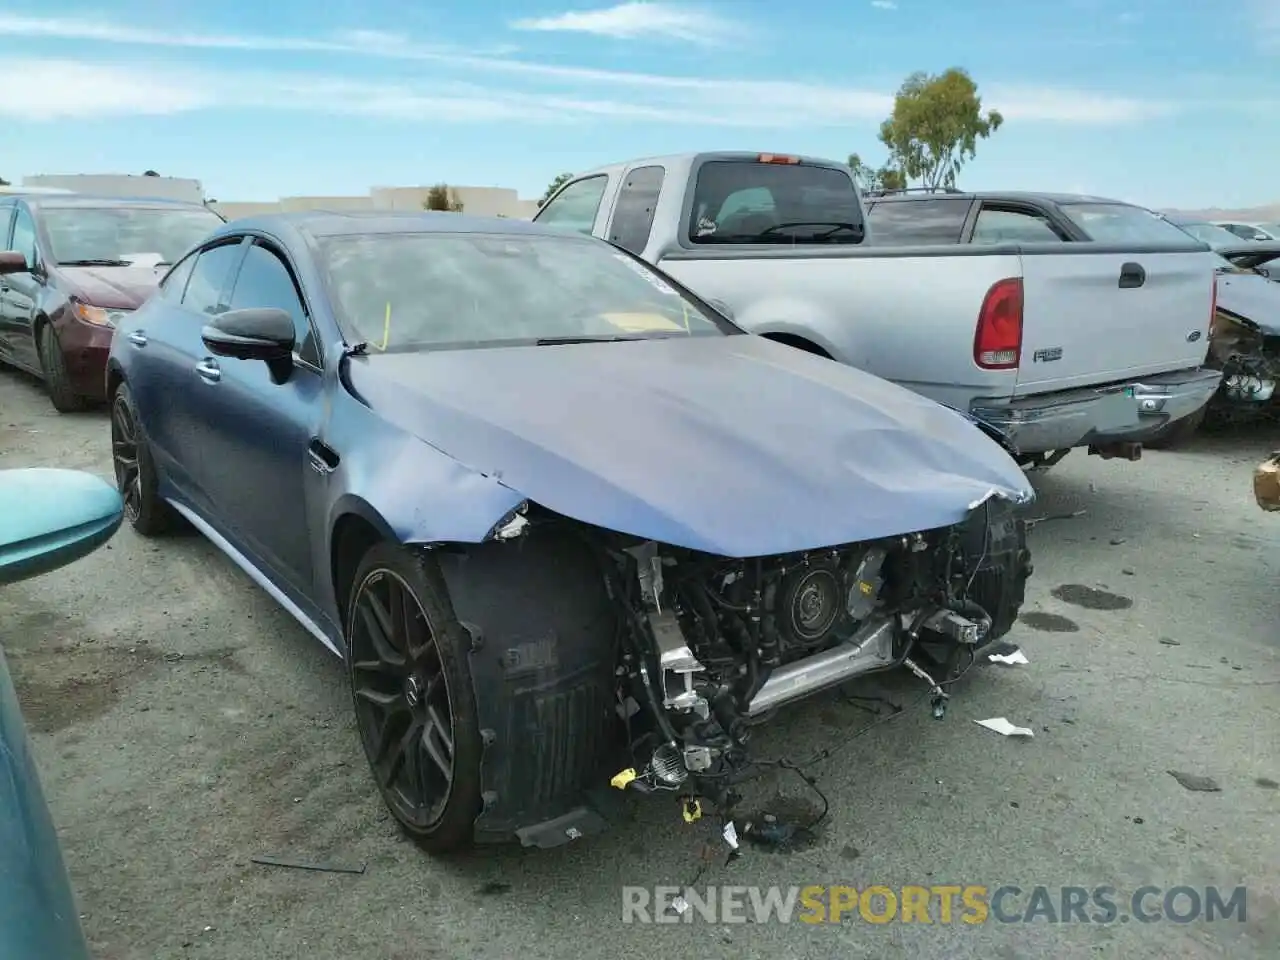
480	201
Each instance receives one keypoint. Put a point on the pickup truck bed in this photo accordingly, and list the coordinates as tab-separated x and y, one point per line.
1060	340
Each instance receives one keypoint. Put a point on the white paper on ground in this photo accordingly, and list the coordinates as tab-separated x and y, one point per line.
1003	727
1010	658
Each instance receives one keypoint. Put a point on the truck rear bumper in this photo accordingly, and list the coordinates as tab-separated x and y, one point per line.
1088	416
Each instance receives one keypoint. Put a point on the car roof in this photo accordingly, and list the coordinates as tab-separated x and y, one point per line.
323	223
1064	199
93	201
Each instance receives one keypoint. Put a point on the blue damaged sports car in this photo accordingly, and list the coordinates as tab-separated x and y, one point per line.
565	523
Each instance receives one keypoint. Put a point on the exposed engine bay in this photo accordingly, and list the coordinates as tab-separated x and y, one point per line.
714	645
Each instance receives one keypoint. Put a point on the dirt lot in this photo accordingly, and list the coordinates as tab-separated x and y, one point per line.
184	724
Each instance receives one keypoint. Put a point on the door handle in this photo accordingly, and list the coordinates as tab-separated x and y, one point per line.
208	370
138	338
322	458
1132	275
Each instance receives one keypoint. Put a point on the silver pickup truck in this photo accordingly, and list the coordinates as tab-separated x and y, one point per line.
1060	339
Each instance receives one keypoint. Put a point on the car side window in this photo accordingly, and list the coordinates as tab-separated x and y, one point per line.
209	277
924	222
1013	226
265	280
633	211
24	235
174	285
575	206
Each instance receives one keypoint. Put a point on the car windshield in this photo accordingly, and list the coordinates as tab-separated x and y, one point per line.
413	291
1123	223
1210	233
1271	227
124	234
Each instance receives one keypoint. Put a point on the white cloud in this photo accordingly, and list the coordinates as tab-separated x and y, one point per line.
47	89
511	89
637	18
1049	104
884	4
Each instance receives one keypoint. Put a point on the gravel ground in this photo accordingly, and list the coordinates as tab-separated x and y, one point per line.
185	724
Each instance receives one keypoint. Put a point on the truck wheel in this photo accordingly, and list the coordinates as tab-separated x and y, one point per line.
414	704
1176	433
53	367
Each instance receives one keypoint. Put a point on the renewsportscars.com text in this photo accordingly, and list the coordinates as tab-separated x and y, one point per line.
932	904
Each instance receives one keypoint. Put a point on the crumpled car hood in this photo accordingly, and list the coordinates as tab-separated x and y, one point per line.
737	446
1253	297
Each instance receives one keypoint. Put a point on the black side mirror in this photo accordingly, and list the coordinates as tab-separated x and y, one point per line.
255	333
11	261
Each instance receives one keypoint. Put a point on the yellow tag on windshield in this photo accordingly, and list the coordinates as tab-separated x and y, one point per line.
641	322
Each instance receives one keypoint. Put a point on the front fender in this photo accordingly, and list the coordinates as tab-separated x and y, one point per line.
407	488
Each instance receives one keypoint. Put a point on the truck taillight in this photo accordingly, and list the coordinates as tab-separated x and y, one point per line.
997	342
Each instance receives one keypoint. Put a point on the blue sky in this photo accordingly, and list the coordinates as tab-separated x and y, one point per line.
1162	102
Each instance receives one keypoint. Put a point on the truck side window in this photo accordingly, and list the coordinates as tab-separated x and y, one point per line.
575	206
633	211
925	222
1013	226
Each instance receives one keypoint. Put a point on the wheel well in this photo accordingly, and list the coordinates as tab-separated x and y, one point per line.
114	379
352	537
800	343
37	332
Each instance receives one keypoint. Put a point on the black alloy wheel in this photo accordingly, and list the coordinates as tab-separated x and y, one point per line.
135	473
402	700
124	456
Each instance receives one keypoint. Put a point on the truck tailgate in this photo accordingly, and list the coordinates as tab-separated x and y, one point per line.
1081	326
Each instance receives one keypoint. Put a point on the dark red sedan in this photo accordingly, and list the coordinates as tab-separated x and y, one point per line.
84	261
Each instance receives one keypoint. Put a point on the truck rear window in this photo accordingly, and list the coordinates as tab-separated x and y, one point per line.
743	201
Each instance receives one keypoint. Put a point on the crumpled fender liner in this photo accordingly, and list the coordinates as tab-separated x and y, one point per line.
544	635
995	542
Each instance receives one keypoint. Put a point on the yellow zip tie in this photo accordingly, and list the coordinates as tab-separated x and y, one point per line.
386	328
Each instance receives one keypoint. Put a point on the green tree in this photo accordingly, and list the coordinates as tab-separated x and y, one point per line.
936	124
150	173
556	184
4	182
442	197
888	177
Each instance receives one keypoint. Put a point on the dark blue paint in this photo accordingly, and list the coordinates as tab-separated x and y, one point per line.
52	518
735	445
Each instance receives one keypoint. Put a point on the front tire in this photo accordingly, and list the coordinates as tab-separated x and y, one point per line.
135	471
57	381
411	689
